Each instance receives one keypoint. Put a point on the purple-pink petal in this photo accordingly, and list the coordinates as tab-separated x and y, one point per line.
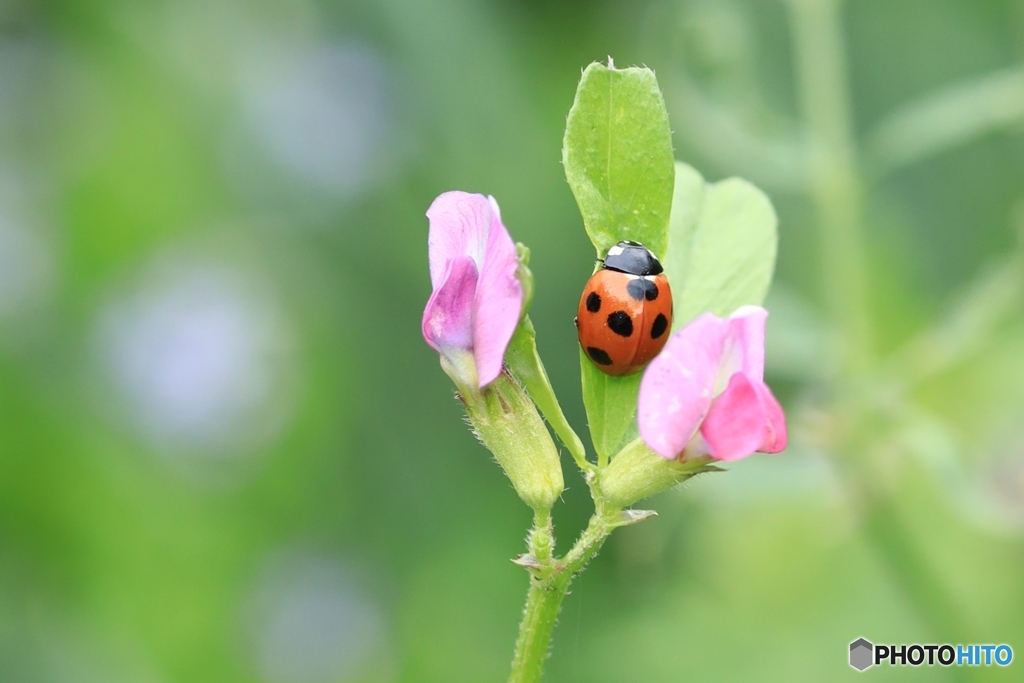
776	437
498	301
678	385
736	424
448	317
459	226
746	335
705	393
477	314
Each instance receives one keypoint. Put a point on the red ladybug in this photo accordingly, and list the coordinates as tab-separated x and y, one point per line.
625	312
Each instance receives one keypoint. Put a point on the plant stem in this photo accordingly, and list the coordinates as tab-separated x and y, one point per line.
832	172
836	187
542	537
549	584
543	602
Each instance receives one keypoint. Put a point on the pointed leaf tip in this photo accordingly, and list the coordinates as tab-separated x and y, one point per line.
617	154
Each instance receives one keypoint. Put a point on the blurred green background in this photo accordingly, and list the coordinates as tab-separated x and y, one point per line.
226	453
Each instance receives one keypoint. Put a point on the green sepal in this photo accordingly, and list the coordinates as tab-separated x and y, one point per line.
525	277
637	472
507	423
524	362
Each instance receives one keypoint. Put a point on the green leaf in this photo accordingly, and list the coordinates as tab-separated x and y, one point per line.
722	245
610	404
524	362
618	158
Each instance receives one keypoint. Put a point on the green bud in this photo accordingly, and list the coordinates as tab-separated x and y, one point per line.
525	276
507	423
638	472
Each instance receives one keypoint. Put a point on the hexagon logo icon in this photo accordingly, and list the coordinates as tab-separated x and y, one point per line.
861	652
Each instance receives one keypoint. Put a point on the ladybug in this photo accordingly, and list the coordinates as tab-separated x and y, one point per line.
625	311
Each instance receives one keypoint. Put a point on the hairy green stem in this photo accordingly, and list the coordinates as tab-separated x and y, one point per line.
549	583
542	537
543	603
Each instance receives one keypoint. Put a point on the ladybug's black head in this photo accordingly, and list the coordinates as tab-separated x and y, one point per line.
633	258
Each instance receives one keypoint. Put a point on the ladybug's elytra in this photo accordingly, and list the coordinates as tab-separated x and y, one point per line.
625	312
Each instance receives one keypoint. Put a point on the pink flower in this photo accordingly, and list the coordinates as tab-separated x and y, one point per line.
475	305
705	393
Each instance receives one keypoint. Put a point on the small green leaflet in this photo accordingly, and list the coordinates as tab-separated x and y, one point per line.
722	245
610	404
617	154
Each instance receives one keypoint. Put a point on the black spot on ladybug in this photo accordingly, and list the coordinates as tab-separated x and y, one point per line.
593	302
598	356
659	326
641	288
635	289
621	323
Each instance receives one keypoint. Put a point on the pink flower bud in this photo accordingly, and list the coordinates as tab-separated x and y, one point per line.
474	308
